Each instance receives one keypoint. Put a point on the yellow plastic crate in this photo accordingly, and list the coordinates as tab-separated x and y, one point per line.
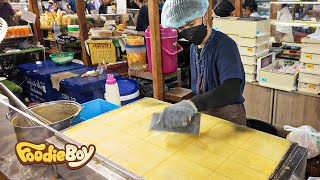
102	50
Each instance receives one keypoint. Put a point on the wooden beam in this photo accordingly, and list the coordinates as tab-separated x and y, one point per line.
210	13
83	28
238	8
154	22
33	4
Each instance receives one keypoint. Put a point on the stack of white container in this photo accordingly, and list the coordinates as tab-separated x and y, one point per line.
252	38
309	77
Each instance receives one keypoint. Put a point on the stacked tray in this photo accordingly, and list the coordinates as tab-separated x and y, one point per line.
309	78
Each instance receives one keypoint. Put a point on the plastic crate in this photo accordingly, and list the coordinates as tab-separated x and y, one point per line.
242	41
93	109
243	28
254	50
310	45
310	58
309	78
250	77
250	69
285	82
84	89
309	88
102	50
119	67
310	68
38	86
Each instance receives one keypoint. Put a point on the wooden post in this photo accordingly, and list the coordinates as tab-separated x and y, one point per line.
238	8
83	31
210	13
33	4
154	22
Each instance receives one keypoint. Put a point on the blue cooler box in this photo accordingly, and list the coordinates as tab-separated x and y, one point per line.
93	109
38	84
84	89
129	90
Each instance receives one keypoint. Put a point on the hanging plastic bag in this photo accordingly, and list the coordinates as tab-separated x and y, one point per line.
305	136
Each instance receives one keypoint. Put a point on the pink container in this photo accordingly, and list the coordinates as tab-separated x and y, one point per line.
170	49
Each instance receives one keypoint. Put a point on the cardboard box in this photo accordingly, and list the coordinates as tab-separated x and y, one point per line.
309	78
286	82
310	58
310	68
309	88
255	50
249	29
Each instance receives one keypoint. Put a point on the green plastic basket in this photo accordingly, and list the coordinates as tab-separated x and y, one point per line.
62	57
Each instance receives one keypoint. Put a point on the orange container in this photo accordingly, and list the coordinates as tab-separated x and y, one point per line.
135	40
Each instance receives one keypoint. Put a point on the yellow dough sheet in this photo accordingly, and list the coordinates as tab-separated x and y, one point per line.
223	150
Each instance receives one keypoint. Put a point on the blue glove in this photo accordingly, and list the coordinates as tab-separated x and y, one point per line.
178	115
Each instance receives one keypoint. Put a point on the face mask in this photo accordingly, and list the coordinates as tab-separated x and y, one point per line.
195	34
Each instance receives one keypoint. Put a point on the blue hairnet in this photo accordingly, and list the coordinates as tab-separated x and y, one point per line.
176	13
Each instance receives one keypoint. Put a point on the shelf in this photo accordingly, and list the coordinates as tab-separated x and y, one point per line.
22	51
15	39
50	28
296	23
294	2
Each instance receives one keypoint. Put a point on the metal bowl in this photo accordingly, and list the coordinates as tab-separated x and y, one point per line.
60	113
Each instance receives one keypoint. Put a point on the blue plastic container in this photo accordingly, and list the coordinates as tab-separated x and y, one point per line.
93	109
129	90
38	84
84	89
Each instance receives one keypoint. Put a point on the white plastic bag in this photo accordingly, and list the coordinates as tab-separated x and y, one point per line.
305	136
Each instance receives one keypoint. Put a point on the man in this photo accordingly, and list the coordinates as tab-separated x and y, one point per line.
7	13
53	6
217	75
143	19
71	5
284	33
90	6
132	5
104	6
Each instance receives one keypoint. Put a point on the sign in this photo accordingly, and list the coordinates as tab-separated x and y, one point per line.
309	56
250	49
311	86
310	66
121	7
28	16
74	157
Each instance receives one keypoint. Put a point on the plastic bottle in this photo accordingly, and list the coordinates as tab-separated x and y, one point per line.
56	30
112	94
104	65
100	69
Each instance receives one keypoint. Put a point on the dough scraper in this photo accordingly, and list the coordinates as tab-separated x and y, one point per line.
193	126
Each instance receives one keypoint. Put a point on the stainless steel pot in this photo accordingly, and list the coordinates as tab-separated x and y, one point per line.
60	113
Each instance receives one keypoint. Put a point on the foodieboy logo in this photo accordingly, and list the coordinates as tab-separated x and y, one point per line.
74	157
